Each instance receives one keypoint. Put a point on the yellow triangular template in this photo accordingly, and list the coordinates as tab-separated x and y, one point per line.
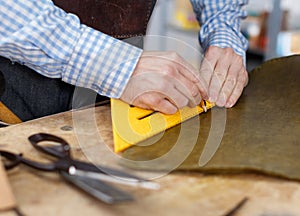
132	125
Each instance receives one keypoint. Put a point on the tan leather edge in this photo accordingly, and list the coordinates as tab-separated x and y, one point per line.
8	116
7	199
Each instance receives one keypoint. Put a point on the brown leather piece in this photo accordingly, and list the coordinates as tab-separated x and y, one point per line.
261	133
118	18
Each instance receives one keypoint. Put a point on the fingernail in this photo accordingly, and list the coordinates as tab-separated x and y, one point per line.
229	104
173	110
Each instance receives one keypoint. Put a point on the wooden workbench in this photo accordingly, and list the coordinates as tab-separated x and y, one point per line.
40	193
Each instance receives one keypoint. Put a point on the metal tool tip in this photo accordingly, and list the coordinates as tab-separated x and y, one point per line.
203	105
149	185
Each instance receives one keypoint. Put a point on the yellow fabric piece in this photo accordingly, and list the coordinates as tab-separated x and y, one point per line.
132	125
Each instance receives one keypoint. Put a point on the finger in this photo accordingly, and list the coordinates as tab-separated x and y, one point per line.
203	89
188	89
191	101
166	107
206	71
188	72
229	84
237	91
218	78
186	69
192	74
178	95
155	101
197	101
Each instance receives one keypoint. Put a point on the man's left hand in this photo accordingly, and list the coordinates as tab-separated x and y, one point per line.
224	74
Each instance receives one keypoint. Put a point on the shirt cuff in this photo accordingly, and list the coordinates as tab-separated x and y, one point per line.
225	38
101	63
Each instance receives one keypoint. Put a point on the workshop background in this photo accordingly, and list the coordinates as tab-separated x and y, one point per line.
272	28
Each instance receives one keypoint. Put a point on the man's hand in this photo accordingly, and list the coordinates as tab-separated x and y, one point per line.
224	75
165	82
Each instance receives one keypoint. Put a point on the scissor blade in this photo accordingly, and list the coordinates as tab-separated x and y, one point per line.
113	179
98	189
110	175
88	167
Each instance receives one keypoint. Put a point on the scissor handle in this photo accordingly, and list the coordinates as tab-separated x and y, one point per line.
60	151
16	159
13	158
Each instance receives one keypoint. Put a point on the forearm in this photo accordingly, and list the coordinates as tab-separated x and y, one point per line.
55	44
220	23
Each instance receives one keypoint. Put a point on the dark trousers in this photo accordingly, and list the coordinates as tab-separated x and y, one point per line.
30	95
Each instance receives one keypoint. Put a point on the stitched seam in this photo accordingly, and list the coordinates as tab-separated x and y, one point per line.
145	25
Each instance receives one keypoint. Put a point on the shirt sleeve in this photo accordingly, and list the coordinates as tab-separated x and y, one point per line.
55	44
220	22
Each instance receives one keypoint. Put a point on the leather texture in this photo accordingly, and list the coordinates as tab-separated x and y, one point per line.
118	18
261	133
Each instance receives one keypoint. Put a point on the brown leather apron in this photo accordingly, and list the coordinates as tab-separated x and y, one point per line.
261	132
117	18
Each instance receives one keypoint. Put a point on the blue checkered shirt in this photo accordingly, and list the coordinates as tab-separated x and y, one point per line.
220	22
55	44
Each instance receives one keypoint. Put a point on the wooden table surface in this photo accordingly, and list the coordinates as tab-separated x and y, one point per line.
185	193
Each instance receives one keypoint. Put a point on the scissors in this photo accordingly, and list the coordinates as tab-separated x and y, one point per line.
89	177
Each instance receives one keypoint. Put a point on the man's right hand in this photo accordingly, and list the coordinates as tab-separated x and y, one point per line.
165	82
